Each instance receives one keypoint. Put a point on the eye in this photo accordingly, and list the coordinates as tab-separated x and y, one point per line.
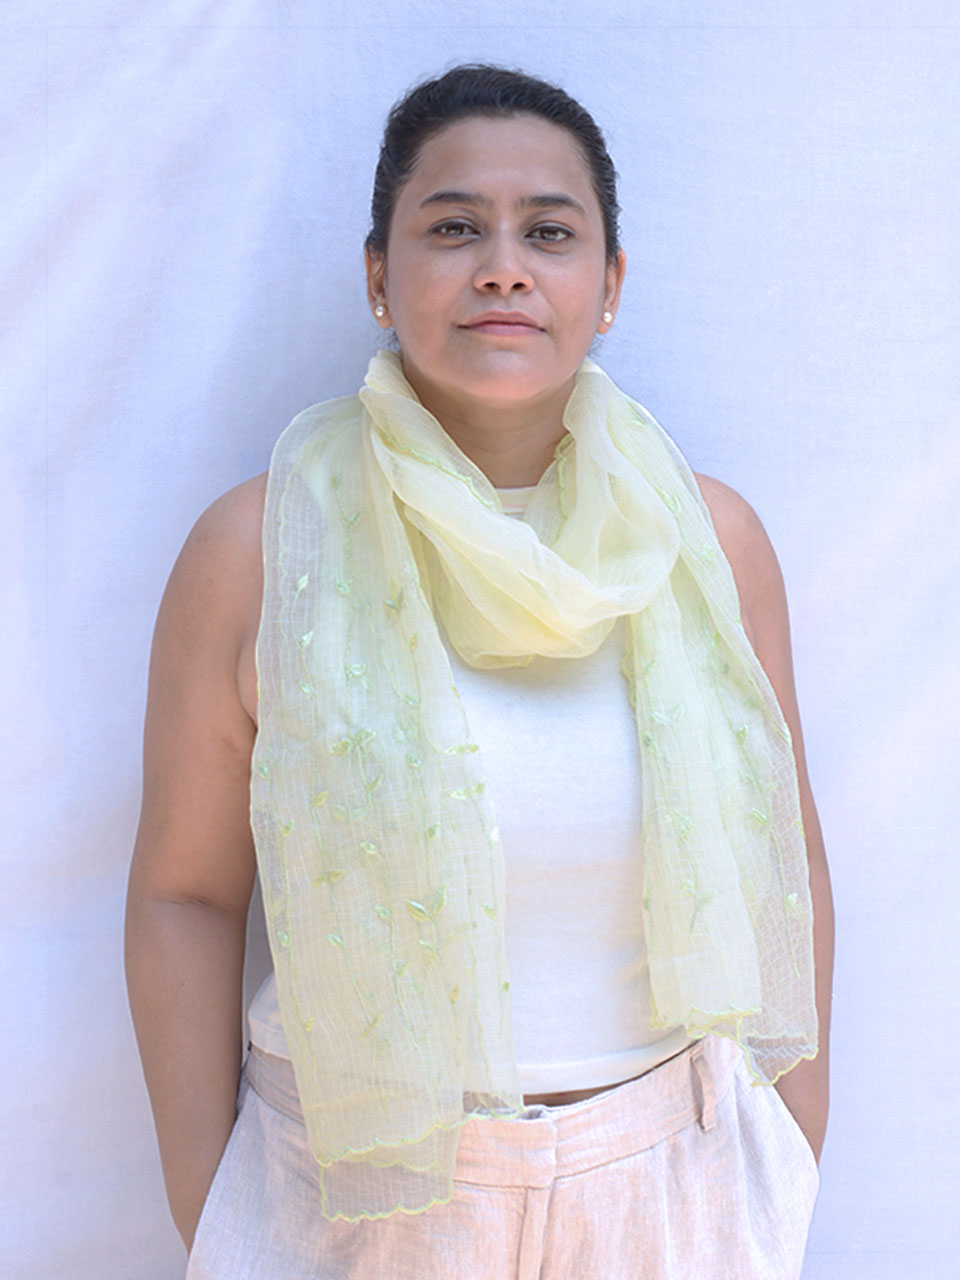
453	229
550	233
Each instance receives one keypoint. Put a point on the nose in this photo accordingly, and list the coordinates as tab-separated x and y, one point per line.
503	267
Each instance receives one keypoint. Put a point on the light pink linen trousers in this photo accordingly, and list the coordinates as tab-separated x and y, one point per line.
687	1173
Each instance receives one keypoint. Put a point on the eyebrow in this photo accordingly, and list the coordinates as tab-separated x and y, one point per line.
549	200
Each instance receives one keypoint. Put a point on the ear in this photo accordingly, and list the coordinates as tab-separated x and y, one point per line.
376	266
613	284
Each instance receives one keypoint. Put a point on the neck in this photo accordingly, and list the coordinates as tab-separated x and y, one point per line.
512	444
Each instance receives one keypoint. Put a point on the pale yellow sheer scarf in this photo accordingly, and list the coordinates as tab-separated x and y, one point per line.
377	841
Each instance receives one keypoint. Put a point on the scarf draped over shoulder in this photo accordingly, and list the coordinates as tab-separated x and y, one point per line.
377	842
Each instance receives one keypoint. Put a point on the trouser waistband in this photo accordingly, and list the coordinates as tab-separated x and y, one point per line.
546	1142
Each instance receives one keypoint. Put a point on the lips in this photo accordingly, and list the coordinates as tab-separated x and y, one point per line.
509	323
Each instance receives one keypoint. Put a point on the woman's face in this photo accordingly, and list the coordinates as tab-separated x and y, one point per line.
495	277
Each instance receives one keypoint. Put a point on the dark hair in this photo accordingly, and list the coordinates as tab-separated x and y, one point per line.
495	92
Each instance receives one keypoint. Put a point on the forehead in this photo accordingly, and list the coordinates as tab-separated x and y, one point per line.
520	154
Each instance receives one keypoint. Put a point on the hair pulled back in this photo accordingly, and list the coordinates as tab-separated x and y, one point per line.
477	89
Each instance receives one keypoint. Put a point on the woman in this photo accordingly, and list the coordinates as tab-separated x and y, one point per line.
416	630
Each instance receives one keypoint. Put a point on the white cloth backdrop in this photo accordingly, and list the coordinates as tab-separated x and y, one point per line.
185	187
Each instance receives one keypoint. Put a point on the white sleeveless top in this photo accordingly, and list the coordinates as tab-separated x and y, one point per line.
569	813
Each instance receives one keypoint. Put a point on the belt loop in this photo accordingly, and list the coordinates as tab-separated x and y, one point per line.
707	1086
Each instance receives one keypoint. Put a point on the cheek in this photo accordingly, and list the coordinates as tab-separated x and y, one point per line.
579	291
418	290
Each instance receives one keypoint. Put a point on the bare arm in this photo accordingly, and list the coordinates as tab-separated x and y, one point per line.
763	603
193	863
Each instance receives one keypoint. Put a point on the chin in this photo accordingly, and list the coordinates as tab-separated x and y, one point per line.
505	381
506	390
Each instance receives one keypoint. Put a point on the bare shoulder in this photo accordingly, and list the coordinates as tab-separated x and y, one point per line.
232	524
750	553
208	619
737	524
217	579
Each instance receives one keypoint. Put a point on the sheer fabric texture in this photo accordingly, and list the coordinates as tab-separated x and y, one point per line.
377	840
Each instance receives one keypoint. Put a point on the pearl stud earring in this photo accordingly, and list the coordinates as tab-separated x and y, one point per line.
379	310
607	317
